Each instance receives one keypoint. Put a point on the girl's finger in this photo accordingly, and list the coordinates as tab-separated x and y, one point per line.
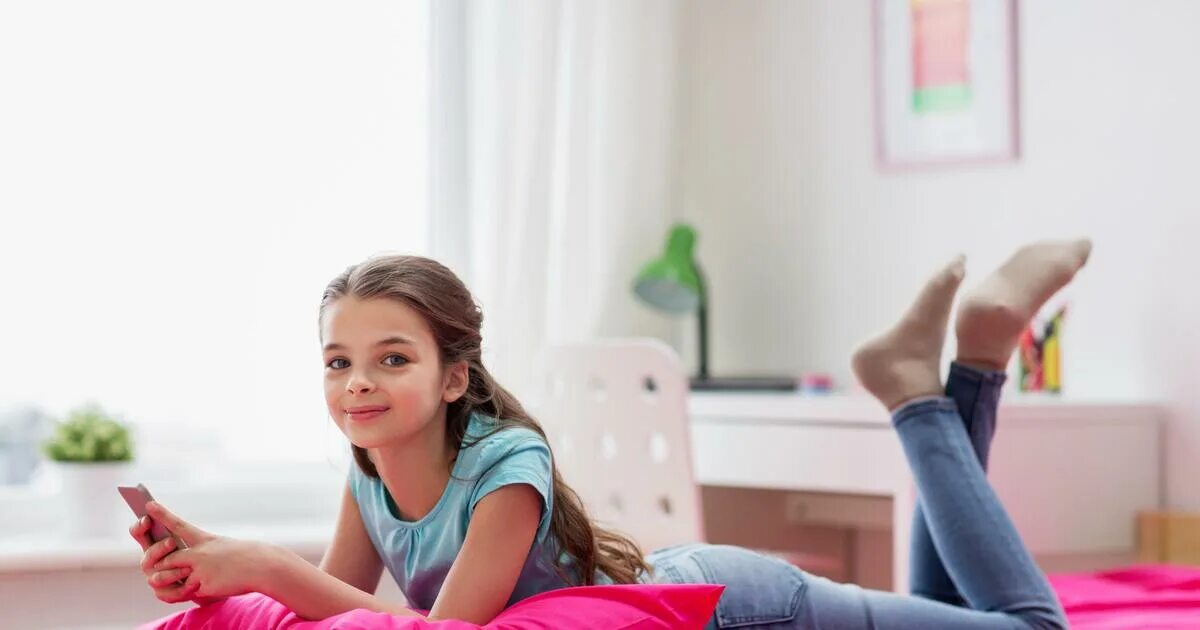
173	594
138	531
154	553
174	560
191	586
188	533
162	548
161	579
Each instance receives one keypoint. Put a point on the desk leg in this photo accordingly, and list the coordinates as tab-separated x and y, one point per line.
904	503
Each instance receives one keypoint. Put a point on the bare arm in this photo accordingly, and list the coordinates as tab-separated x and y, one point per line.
348	575
499	538
351	556
314	594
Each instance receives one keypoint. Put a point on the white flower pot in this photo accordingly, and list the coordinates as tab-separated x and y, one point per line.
92	508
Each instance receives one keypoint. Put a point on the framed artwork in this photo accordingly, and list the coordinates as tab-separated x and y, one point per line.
945	81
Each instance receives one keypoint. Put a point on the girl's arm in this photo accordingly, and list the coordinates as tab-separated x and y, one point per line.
314	594
499	538
222	566
351	556
349	573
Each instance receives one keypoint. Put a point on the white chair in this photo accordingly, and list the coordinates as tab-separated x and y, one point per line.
615	412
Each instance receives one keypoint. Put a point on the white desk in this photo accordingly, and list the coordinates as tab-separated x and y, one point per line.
1072	475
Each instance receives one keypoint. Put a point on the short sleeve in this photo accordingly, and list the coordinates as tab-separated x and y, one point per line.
526	461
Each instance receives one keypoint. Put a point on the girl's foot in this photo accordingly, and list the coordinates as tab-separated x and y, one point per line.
903	363
992	316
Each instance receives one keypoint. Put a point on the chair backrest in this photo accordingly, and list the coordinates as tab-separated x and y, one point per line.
616	415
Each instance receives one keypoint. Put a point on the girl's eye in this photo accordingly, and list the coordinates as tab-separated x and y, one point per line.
394	360
337	364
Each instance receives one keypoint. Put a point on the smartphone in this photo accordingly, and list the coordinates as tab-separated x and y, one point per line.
137	497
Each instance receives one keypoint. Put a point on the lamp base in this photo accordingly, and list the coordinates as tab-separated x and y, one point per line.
745	383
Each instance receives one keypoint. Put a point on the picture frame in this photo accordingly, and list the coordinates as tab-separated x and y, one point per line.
945	82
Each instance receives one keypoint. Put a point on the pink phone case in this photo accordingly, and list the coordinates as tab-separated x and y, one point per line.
137	497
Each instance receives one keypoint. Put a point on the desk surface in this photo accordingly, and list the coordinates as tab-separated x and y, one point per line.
860	409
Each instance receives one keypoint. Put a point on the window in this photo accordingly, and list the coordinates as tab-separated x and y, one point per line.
177	184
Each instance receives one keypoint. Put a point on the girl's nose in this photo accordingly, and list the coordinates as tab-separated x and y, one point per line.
359	385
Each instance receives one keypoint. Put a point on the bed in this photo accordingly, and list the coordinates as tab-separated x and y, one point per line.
1146	597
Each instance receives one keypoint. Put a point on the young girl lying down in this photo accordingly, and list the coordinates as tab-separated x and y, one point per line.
455	492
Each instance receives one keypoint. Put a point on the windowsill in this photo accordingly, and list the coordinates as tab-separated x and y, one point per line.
31	552
291	505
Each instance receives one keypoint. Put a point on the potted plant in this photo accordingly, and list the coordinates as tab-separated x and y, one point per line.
93	454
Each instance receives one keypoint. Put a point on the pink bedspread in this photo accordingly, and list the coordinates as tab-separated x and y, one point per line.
1142	597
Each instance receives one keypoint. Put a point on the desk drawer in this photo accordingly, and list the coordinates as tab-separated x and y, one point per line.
852	459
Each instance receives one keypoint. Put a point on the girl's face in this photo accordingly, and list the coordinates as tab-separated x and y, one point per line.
384	382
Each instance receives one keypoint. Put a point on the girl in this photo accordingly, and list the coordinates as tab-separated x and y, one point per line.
454	490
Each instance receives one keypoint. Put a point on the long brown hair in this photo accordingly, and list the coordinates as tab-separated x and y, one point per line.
447	306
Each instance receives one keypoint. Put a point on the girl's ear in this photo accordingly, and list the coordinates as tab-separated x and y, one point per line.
456	382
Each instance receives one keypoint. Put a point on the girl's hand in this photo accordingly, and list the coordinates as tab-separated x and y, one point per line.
218	566
168	586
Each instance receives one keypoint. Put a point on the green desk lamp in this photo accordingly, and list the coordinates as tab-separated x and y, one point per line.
674	283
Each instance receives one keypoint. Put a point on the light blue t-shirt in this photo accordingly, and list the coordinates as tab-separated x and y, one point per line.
419	554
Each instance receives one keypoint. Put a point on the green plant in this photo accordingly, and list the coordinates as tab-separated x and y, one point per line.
89	435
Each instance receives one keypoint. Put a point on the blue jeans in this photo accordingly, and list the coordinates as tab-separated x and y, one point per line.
970	569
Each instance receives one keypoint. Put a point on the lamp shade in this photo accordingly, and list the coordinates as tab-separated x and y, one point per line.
672	282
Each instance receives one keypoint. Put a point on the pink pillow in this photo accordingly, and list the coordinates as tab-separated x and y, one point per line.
622	606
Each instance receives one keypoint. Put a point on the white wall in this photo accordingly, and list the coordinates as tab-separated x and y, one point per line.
177	186
810	247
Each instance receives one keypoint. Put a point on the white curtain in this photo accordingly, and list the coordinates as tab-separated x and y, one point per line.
551	161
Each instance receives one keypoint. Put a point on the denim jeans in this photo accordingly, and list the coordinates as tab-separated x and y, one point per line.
970	569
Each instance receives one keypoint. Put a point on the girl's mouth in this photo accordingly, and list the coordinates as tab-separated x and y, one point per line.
362	414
